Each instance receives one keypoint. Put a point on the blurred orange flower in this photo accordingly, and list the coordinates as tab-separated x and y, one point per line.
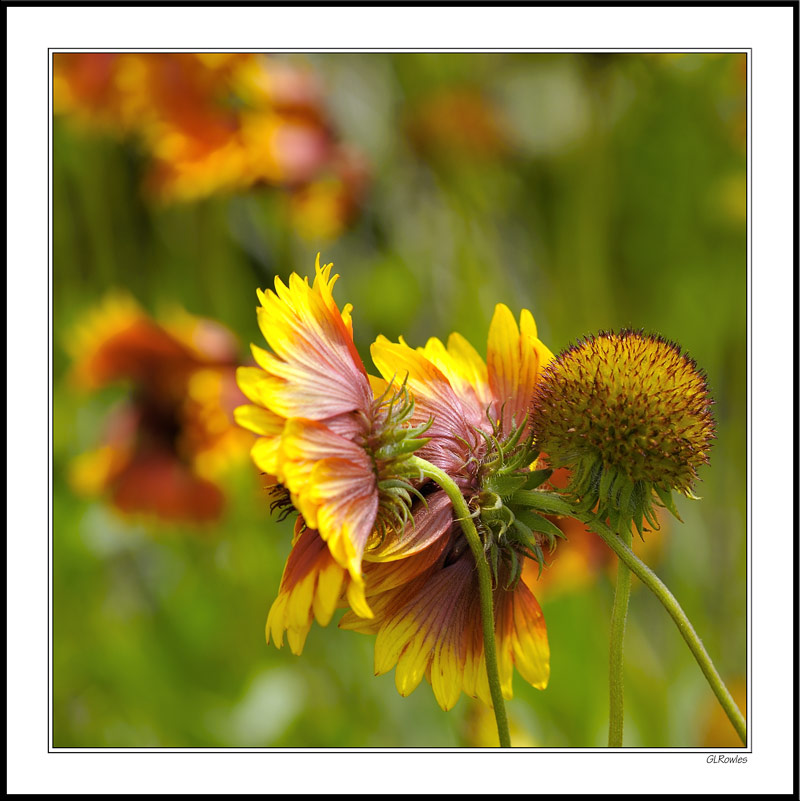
458	123
321	209
170	438
210	122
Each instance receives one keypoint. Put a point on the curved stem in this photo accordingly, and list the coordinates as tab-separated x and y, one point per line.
616	682
660	590
484	583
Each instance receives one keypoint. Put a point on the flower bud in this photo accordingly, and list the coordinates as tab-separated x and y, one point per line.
630	414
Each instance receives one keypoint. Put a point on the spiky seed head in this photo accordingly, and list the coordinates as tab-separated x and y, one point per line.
634	403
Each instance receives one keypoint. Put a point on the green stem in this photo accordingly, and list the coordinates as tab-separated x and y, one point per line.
660	590
616	682
485	587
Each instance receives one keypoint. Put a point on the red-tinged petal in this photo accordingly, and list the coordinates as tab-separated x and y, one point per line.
366	625
431	523
333	484
529	638
312	390
311	587
432	626
419	623
305	443
382	577
434	398
347	506
317	370
447	666
464	369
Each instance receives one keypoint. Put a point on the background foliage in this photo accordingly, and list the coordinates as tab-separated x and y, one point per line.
597	190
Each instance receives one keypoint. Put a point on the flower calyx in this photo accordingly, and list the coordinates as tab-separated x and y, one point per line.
506	505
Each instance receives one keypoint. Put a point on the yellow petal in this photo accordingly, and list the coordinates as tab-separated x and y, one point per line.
329	587
529	642
297	638
275	620
391	639
265	454
502	357
470	364
259	420
446	674
253	382
298	609
412	664
357	598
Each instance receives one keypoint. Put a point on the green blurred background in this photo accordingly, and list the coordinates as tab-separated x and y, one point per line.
597	190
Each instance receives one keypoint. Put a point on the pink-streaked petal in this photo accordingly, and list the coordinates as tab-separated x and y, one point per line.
421	621
333	484
430	523
310	588
383	577
348	505
434	398
315	369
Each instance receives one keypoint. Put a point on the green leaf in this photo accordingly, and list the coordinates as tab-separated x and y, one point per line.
504	485
536	478
668	501
548	502
607	479
538	523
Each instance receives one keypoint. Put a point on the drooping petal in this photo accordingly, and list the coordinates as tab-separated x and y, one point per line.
431	522
431	626
311	587
333	484
433	525
520	619
409	637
